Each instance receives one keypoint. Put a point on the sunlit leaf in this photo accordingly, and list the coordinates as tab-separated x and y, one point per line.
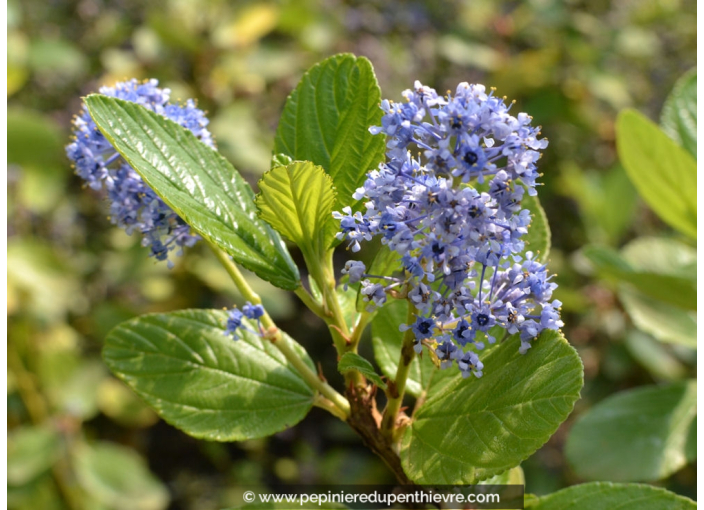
298	200
205	383
663	172
197	183
477	428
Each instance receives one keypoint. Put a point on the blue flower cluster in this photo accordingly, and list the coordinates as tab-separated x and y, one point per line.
133	205
453	213
235	318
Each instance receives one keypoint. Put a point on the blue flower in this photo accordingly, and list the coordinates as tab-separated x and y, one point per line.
448	200
254	312
355	270
235	319
133	205
234	322
469	364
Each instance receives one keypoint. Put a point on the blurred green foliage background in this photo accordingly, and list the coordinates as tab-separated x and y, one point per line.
78	437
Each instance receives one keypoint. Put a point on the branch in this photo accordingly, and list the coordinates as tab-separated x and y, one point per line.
398	388
280	341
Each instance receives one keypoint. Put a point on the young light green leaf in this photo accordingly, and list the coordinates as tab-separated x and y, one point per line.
634	436
387	341
197	183
477	428
679	114
352	361
538	238
118	477
297	200
205	383
662	171
624	496
280	160
326	120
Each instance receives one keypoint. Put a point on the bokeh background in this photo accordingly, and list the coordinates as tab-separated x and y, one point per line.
78	437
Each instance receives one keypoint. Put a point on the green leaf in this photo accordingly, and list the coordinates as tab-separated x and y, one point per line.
30	452
297	200
624	496
635	435
655	357
665	256
387	341
347	299
326	120
477	428
352	361
662	171
197	183
118	477
678	290
538	238
280	160
205	383
679	114
665	322
385	263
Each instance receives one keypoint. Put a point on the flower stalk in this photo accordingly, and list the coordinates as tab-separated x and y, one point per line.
281	343
397	388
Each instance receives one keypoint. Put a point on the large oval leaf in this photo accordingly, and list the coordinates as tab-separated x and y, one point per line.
326	120
476	428
298	200
197	183
633	436
662	171
679	114
205	383
624	496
